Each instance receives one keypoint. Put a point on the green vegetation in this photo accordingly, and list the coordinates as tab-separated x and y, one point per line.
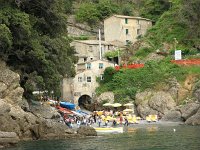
179	23
94	11
125	83
154	9
33	41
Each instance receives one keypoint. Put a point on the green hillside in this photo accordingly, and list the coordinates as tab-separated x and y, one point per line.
176	28
33	41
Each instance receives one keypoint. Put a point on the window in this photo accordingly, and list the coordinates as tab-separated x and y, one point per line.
127	42
101	77
126	20
85	59
90	48
80	79
89	79
88	66
126	31
100	65
138	31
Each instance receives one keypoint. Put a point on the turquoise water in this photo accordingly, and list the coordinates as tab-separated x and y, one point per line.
142	138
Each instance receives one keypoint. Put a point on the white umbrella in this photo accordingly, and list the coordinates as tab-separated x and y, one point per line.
107	104
116	105
128	104
128	110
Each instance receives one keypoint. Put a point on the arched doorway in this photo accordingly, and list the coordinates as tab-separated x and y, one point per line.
85	102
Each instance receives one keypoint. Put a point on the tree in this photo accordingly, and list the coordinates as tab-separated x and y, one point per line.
127	10
189	15
34	42
88	13
153	9
106	8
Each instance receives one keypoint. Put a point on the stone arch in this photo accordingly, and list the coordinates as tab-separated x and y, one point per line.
84	101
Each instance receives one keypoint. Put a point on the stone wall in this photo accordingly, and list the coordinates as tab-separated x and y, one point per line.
76	29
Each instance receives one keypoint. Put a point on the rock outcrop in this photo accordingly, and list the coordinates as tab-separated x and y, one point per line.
38	122
8	138
172	115
194	120
163	102
189	110
151	102
87	131
106	96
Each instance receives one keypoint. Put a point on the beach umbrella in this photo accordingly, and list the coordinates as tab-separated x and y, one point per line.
116	105
107	104
128	110
128	104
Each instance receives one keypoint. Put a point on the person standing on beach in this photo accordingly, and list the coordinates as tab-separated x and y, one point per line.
99	121
120	119
126	122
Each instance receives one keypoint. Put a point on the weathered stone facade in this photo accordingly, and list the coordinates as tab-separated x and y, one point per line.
84	83
125	28
88	50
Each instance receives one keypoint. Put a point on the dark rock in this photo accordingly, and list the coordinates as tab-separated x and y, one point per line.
173	115
196	94
49	128
16	115
86	131
189	110
194	120
151	102
8	124
44	111
8	138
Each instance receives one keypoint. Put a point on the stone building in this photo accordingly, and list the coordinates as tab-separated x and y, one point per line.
88	50
125	28
81	89
118	30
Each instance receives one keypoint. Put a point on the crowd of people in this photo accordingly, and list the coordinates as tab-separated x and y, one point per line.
100	119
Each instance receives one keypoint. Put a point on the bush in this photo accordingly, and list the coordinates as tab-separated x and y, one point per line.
125	83
88	13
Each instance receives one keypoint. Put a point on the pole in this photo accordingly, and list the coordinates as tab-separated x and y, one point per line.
118	57
100	54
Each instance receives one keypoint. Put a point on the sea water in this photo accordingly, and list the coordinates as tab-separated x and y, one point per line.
149	137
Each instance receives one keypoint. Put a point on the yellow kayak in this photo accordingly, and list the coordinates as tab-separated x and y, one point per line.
109	130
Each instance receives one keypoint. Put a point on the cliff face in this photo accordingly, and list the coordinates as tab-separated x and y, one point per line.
173	102
17	124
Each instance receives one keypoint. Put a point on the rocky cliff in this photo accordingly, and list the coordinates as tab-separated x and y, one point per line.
173	102
40	122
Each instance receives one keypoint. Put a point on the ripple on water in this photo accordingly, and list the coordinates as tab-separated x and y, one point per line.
148	138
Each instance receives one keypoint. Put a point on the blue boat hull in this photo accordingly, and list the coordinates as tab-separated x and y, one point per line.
67	105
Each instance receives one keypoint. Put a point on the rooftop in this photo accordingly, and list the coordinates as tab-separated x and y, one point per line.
92	42
129	17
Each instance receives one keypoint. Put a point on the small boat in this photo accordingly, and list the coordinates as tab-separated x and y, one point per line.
109	130
67	105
